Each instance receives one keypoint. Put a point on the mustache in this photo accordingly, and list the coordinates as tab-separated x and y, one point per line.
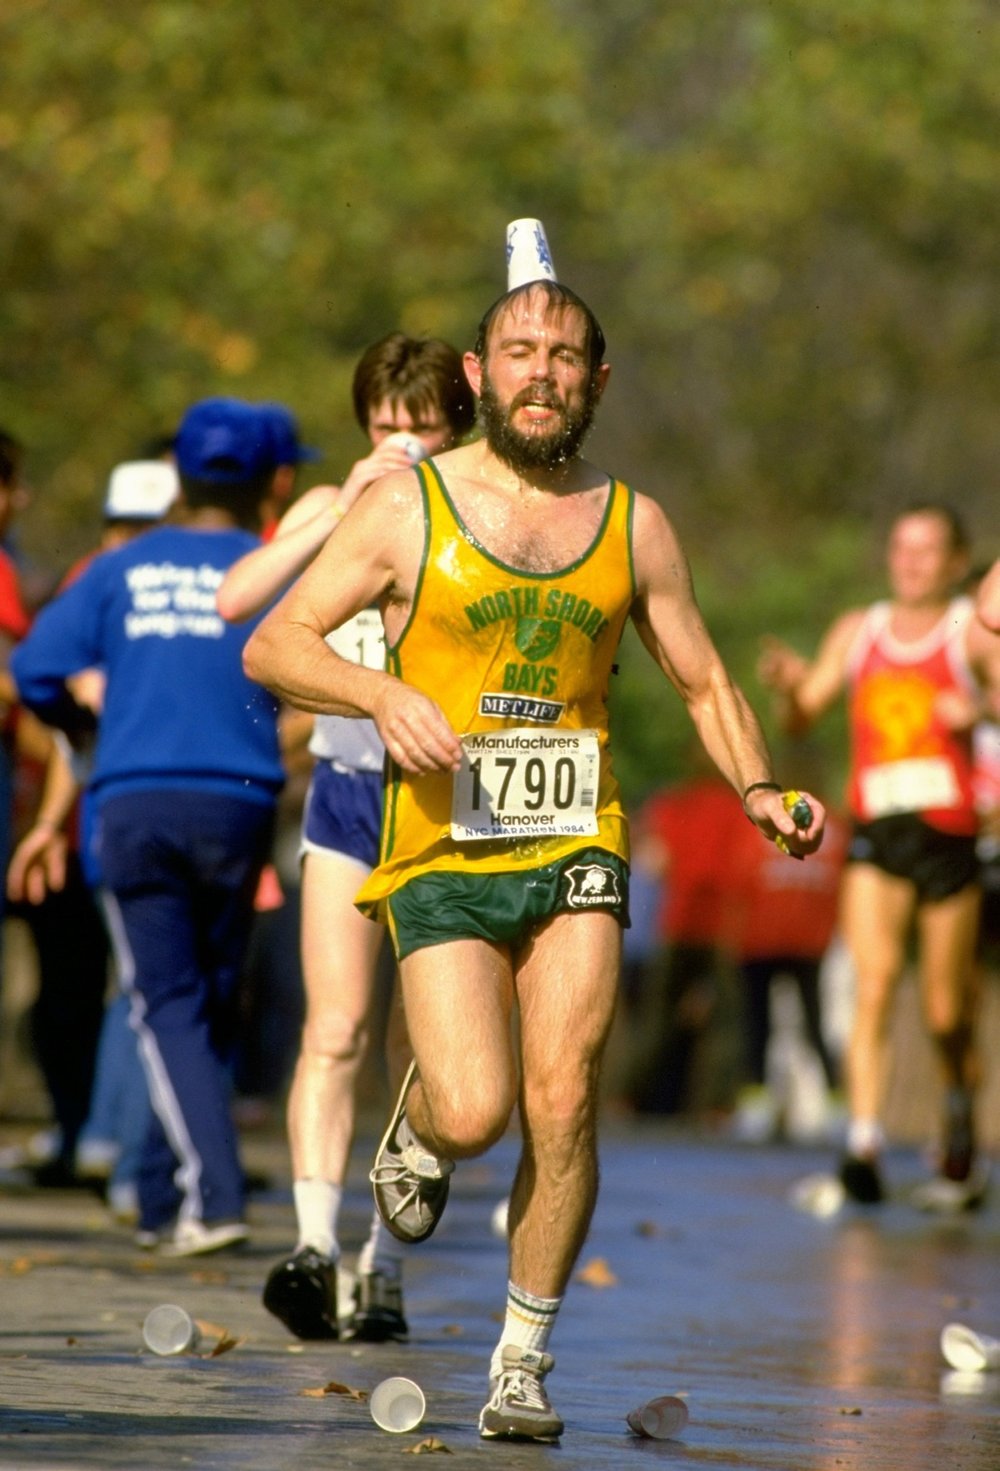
544	397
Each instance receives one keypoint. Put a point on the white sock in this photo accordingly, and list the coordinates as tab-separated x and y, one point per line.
865	1138
382	1252
528	1323
317	1206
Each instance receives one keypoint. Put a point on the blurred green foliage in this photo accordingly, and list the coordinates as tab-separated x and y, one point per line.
785	214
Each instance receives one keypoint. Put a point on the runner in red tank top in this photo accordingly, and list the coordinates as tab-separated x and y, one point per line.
915	669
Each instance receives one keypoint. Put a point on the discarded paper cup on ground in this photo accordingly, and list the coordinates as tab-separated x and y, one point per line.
819	1195
168	1330
659	1419
965	1349
397	1405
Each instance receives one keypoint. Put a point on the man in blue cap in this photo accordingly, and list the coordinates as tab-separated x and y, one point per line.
185	774
289	454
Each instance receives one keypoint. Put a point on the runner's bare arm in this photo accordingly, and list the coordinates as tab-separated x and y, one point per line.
669	622
983	648
807	688
257	579
988	598
372	557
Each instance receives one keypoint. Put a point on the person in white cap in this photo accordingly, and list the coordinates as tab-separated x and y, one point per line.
505	571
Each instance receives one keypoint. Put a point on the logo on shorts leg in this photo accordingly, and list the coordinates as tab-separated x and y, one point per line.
592	886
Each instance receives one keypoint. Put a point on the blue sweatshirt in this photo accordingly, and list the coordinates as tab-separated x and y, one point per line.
179	711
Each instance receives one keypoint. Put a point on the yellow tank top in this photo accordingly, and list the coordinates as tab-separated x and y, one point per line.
520	663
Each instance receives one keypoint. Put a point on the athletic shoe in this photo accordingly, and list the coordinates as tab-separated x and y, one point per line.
951	1197
861	1179
410	1184
302	1293
198	1238
378	1309
518	1407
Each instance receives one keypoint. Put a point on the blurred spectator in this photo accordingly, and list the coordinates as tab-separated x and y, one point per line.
186	771
688	1046
289	453
788	913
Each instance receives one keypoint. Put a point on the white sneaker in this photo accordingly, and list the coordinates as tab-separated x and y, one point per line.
946	1197
518	1407
195	1238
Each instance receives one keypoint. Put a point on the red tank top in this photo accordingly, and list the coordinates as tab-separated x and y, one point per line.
904	756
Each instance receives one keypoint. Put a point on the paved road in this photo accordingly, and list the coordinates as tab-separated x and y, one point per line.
801	1344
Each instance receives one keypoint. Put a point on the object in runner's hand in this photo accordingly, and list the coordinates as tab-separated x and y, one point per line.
801	814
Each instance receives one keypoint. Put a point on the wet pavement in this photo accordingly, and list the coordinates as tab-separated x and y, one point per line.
799	1343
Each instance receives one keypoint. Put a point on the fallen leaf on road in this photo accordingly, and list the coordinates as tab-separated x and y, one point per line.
426	1447
597	1273
210	1330
224	1346
851	1410
335	1388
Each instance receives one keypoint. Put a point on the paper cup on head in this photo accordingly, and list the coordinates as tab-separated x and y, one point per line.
965	1349
414	447
659	1419
169	1330
397	1405
528	254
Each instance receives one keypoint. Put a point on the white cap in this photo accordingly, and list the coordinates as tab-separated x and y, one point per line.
141	490
528	254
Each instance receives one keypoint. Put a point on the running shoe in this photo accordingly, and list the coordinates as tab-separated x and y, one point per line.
943	1196
199	1238
302	1293
861	1179
518	1407
378	1309
410	1184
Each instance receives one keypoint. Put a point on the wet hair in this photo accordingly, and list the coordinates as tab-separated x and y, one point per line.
422	373
559	296
11	459
957	533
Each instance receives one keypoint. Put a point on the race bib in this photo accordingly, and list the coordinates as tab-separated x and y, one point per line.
909	786
526	783
361	640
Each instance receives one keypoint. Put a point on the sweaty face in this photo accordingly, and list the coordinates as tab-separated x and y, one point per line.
537	393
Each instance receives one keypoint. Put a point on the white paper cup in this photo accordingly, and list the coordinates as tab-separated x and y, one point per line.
528	254
498	1220
413	446
397	1405
819	1195
659	1419
169	1330
965	1349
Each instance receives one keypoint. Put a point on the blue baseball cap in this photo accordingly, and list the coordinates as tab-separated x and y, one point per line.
288	449
225	441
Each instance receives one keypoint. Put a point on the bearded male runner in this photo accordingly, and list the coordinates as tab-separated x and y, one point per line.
505	571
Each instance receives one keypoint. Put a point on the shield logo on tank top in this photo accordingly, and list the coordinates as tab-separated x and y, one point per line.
537	637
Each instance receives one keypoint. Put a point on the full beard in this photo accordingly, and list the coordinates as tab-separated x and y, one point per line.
540	451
